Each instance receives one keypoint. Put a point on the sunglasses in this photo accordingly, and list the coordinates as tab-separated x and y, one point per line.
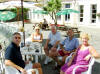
17	37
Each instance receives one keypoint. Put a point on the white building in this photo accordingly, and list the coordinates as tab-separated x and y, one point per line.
87	16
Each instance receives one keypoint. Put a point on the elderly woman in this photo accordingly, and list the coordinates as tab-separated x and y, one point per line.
81	57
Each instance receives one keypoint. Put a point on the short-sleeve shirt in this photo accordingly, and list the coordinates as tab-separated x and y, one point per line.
70	44
13	53
54	37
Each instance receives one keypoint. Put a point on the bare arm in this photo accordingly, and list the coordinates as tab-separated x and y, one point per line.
10	63
93	52
72	58
47	42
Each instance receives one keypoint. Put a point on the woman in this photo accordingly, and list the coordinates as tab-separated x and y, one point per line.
81	57
37	39
37	36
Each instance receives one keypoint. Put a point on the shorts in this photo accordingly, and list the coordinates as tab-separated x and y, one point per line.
63	54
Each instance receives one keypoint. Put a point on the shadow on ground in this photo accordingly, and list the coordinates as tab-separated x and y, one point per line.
96	68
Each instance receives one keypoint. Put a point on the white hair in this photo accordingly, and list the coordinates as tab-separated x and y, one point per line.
53	27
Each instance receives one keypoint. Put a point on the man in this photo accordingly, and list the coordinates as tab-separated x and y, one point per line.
52	42
45	24
68	45
13	55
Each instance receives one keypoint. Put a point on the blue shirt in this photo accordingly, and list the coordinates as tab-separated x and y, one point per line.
54	38
70	44
13	53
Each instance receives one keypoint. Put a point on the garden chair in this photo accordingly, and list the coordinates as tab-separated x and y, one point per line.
89	71
12	70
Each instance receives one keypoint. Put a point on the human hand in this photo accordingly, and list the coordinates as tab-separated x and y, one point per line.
53	49
87	57
69	63
23	71
26	62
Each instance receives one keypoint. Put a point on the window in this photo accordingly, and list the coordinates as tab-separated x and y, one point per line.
81	13
67	17
93	13
67	5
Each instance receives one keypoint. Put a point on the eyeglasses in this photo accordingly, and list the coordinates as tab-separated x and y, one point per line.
17	37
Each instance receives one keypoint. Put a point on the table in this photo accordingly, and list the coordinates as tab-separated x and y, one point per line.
32	53
31	50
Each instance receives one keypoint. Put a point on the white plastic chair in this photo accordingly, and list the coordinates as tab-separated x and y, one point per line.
12	70
2	61
92	60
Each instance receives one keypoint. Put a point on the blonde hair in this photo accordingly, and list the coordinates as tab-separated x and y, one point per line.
37	27
86	35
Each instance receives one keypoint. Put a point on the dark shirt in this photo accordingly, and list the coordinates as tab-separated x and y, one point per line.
13	53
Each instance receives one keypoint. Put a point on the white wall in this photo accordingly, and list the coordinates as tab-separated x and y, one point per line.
87	12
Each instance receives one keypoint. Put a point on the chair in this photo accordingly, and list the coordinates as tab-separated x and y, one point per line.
37	48
12	70
2	61
92	60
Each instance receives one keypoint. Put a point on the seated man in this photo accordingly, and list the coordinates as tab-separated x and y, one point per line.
13	55
68	45
52	42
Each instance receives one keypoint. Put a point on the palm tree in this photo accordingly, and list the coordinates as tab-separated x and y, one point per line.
52	7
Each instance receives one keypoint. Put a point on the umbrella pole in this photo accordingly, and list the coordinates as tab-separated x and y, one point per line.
23	20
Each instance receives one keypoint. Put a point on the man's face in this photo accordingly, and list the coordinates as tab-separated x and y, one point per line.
53	30
17	39
70	33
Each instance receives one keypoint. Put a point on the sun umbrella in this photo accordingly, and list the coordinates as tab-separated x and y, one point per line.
6	15
66	11
13	4
40	12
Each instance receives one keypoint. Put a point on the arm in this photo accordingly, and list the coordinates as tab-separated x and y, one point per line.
33	40
41	39
73	55
93	52
72	58
10	63
47	42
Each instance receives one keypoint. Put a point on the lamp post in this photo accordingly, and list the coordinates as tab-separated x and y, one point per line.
23	21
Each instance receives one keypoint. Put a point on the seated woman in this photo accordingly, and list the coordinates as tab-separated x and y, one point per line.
81	57
37	37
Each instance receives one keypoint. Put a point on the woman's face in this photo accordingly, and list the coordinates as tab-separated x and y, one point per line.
38	30
85	40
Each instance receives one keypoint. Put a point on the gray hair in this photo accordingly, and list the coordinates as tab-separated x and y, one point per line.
16	33
53	27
